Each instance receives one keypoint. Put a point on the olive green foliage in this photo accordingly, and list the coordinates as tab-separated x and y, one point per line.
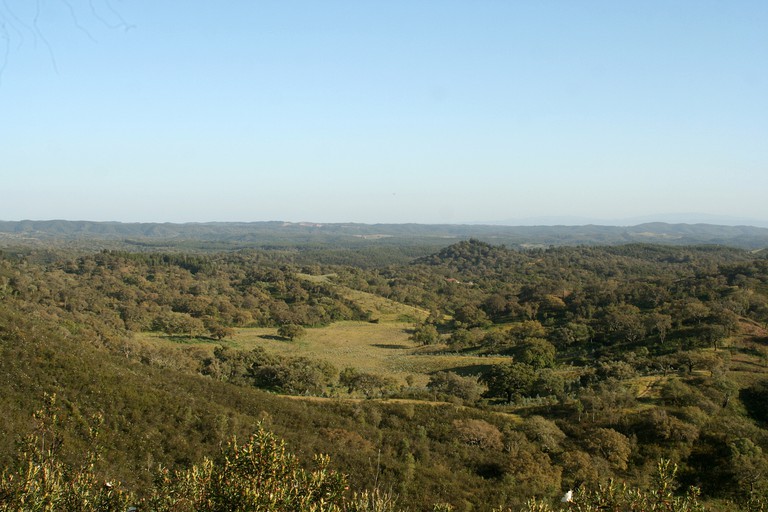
291	331
449	384
182	295
258	475
425	334
509	380
368	384
624	498
290	375
261	475
42	481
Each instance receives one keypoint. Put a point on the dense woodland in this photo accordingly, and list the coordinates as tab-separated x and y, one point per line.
603	364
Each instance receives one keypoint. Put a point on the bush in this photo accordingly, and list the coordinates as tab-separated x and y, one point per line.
256	476
627	499
291	331
43	482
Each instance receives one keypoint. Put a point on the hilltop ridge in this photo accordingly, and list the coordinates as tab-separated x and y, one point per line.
259	234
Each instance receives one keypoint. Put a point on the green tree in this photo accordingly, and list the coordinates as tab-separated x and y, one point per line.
519	331
658	323
291	331
449	383
425	334
623	323
176	324
509	380
471	316
544	433
367	383
479	433
536	352
613	446
296	376
749	466
572	333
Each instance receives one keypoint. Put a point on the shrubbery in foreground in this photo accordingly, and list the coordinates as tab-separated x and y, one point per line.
620	498
260	475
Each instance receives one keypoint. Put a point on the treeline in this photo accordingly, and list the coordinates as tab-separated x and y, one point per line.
186	295
581	299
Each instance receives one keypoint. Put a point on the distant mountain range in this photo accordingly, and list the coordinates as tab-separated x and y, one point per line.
223	235
670	218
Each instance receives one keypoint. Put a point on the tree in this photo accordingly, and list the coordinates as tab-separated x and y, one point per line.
470	316
291	331
714	335
176	324
509	380
425	334
613	446
572	333
296	376
526	329
578	469
695	310
479	433
367	383
749	465
462	338
549	382
545	433
218	331
659	323
623	322
449	383
536	352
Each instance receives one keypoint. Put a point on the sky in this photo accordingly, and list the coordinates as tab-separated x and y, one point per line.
374	111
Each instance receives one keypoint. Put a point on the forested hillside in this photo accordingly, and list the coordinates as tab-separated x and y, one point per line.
476	377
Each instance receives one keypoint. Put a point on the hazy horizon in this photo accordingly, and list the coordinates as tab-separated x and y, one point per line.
424	112
689	219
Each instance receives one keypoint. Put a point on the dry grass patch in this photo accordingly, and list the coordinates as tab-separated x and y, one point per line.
324	278
649	387
382	309
372	348
383	348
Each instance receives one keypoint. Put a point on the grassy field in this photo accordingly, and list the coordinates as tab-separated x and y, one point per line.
382	348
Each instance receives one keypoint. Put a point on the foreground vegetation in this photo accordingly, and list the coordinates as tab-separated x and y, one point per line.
258	475
477	377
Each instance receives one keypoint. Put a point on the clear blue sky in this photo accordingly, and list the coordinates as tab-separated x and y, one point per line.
384	111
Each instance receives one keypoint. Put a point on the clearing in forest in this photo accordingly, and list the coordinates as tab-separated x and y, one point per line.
383	348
